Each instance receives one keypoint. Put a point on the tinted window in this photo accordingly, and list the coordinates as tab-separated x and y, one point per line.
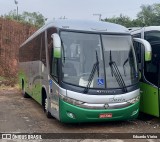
53	62
152	36
151	68
50	31
31	51
43	50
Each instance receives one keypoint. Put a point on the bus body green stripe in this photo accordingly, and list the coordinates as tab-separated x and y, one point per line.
89	115
35	92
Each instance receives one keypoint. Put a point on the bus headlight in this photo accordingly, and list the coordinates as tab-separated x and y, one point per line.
71	101
134	100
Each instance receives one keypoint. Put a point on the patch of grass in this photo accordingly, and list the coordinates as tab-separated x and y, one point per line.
4	87
2	78
8	81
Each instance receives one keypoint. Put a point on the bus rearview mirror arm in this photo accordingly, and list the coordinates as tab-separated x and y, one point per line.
147	46
56	45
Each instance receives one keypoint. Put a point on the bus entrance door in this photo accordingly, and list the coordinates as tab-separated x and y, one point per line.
149	103
150	84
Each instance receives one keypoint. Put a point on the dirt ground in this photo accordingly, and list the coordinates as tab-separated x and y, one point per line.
24	115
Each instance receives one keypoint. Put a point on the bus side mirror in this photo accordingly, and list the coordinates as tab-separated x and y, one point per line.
147	46
56	45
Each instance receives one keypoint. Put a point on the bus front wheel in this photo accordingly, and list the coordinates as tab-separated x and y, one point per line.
46	104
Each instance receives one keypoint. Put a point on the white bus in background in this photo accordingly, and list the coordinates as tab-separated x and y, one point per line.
82	71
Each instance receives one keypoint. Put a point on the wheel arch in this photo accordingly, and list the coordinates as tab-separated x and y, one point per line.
44	95
22	85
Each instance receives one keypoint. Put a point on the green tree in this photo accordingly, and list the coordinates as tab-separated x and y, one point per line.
148	16
12	15
34	18
122	20
157	12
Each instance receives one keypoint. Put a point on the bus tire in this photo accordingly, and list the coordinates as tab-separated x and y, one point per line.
145	117
45	104
24	94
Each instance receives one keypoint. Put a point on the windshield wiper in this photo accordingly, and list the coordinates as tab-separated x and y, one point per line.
97	62
115	71
124	66
95	66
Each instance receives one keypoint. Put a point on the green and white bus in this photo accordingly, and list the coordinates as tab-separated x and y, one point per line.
81	71
150	70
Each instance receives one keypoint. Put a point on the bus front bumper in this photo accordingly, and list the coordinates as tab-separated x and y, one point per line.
73	114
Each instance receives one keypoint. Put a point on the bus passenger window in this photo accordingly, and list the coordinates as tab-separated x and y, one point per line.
50	31
43	51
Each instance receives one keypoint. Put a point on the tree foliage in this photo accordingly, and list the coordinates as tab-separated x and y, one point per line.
148	16
122	20
34	18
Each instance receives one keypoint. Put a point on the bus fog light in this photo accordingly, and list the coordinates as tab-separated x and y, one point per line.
134	112
71	115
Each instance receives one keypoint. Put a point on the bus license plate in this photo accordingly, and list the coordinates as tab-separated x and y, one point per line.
105	115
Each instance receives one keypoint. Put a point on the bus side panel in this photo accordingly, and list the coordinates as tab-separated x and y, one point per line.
24	74
21	75
149	99
36	81
32	75
54	101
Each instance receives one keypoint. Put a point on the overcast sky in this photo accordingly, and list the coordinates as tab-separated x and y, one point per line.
77	9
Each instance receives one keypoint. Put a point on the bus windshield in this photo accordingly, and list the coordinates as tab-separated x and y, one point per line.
86	60
120	50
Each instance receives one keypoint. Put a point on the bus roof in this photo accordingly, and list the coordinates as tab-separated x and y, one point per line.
82	25
86	25
136	30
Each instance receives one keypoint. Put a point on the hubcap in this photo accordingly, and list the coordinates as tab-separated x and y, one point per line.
46	104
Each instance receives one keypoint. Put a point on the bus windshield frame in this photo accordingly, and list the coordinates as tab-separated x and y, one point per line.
82	50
